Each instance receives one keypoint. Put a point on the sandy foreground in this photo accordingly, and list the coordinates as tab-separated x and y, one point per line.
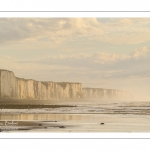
89	117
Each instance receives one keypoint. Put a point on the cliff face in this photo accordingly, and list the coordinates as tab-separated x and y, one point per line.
17	88
99	93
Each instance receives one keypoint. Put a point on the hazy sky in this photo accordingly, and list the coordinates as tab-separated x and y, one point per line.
98	52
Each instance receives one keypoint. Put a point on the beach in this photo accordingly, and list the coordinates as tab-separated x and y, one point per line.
92	116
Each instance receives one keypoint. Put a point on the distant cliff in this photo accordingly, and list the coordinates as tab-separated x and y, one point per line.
19	88
99	93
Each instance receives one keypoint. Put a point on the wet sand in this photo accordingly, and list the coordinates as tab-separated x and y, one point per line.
82	123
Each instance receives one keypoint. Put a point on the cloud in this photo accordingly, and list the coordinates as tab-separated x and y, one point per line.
103	57
142	52
61	30
102	65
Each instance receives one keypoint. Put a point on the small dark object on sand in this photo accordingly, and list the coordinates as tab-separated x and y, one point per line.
40	124
62	127
102	123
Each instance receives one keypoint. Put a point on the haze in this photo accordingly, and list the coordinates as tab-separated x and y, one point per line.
111	53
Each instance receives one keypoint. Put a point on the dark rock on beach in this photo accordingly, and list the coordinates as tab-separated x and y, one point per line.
62	127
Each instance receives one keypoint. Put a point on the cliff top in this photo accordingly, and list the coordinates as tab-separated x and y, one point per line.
6	70
68	82
40	81
104	89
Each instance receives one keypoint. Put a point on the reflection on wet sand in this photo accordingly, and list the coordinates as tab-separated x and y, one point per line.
44	117
75	123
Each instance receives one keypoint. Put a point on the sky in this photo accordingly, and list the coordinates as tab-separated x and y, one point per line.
112	53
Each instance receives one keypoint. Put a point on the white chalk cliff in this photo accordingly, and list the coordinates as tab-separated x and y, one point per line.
18	88
99	93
